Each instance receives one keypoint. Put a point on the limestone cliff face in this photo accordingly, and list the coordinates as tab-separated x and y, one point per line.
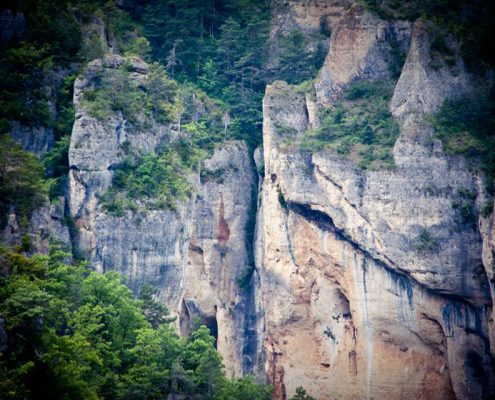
361	47
196	254
354	308
146	248
47	225
218	258
344	300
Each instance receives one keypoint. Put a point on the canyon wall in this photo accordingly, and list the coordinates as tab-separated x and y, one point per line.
353	307
334	292
195	254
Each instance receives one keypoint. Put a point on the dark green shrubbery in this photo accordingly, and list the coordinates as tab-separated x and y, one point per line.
426	243
358	126
155	181
467	126
296	62
27	62
22	186
470	22
301	394
77	334
116	91
160	180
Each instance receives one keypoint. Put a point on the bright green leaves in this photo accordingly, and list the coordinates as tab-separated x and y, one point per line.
151	181
116	91
77	334
301	394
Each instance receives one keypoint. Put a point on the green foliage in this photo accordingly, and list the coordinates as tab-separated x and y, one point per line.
426	242
359	126
74	333
246	389
155	181
56	164
281	200
301	394
467	126
470	22
161	93
21	180
26	244
364	90
51	40
244	280
154	312
487	208
465	211
297	62
38	64
441	54
116	91
158	181
219	46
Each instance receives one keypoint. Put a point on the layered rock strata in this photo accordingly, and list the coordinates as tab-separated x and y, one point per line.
354	307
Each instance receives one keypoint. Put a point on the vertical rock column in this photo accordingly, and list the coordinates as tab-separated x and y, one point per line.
219	286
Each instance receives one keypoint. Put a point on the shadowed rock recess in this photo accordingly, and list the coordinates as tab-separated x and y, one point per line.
358	283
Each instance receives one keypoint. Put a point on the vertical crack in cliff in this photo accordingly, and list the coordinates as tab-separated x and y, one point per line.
360	287
250	334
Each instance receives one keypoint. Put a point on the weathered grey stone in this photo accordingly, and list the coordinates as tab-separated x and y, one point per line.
219	255
360	48
38	139
422	87
195	255
45	227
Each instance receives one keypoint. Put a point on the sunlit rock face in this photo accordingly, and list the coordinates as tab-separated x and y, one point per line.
148	247
354	308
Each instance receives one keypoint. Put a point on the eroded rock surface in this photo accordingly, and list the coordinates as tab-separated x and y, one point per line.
346	298
196	254
355	306
219	257
47	226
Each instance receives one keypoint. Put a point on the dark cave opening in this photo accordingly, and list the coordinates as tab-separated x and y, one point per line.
212	325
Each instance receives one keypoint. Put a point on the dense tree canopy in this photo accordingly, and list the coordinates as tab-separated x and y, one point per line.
76	334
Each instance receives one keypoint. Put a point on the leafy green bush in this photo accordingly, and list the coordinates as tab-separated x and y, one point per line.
467	126
22	186
115	90
426	242
56	164
156	181
160	180
301	394
359	126
74	333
